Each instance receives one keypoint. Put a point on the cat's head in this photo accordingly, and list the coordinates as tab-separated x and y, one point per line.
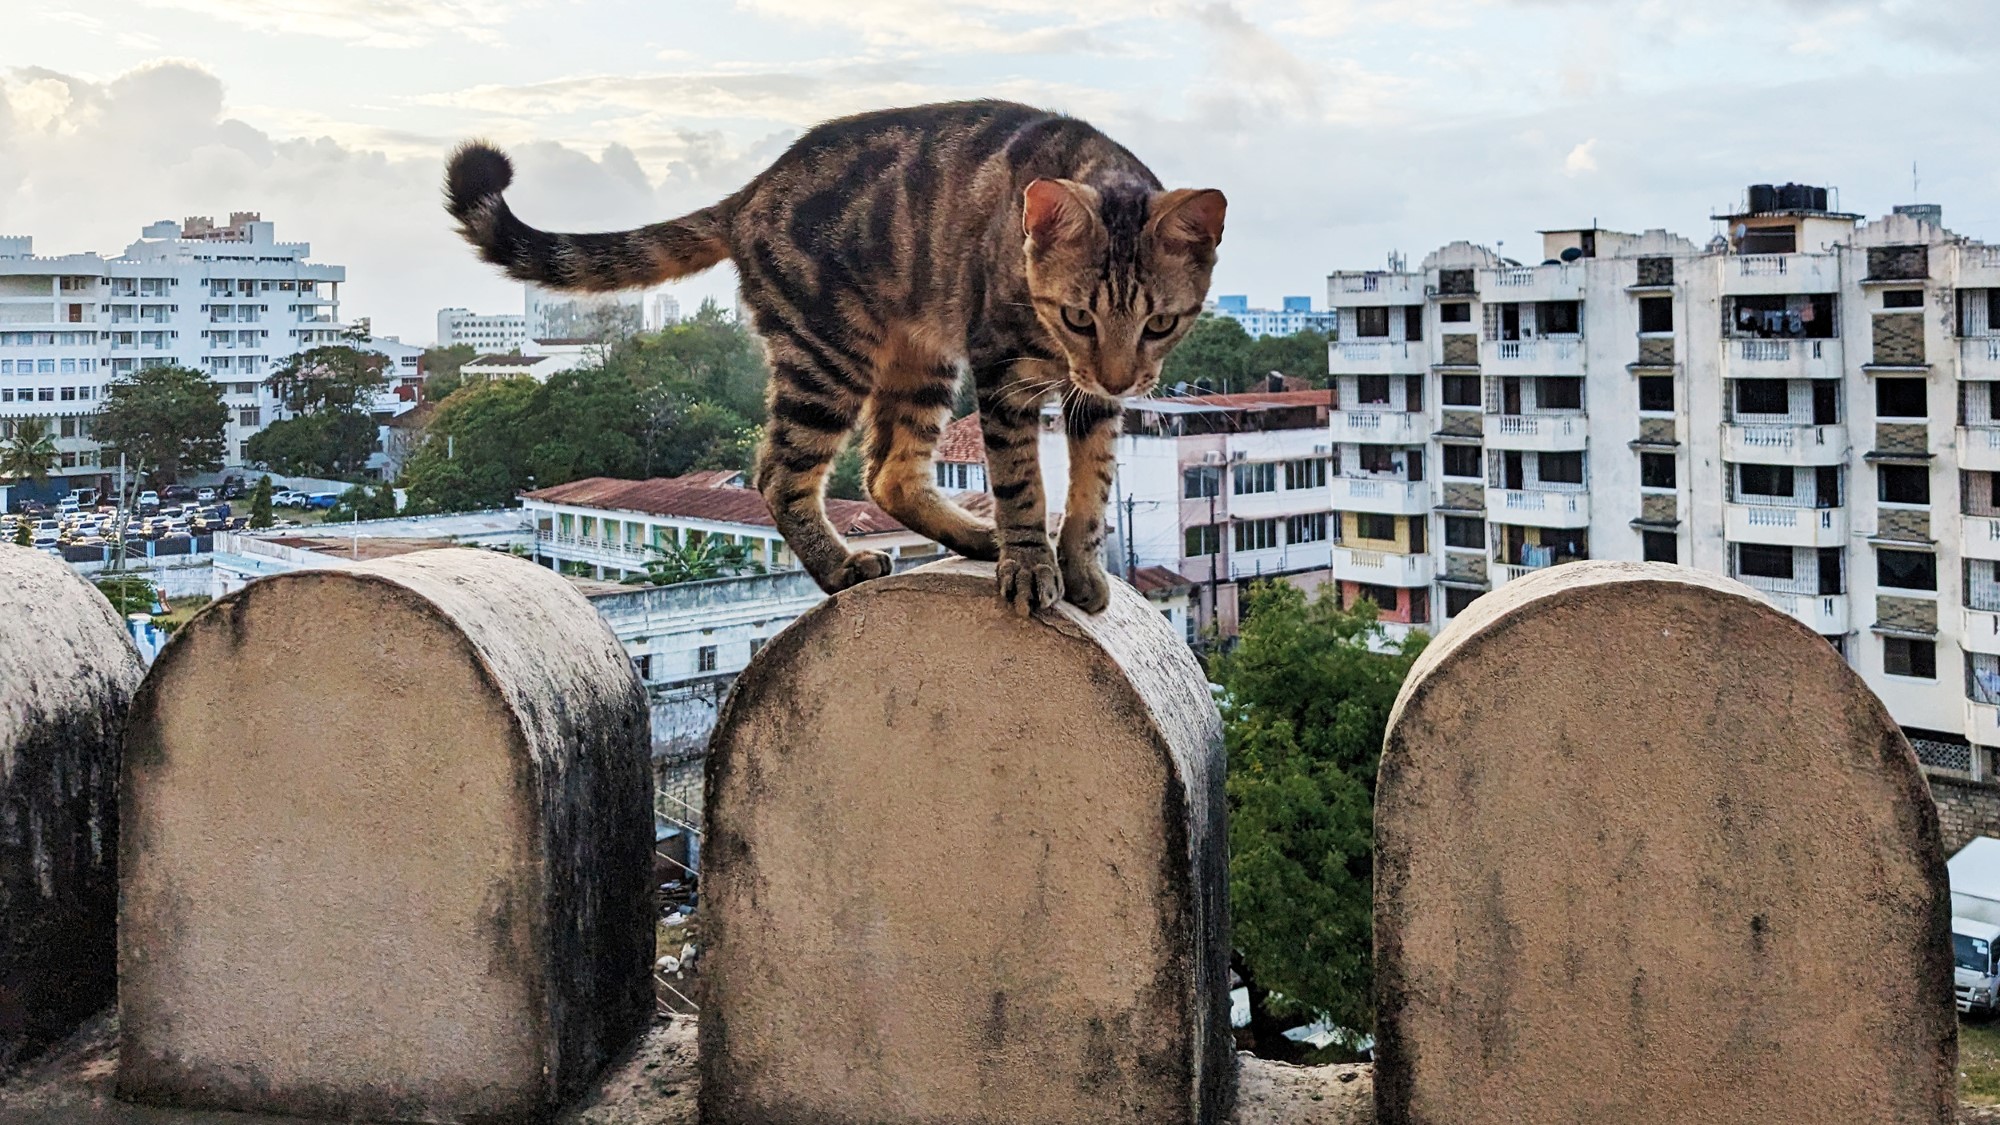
1118	275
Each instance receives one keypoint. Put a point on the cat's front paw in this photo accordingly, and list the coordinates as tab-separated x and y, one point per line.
1085	585
1029	583
861	566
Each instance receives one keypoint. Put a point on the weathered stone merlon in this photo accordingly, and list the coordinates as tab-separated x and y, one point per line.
67	673
1648	850
387	848
966	868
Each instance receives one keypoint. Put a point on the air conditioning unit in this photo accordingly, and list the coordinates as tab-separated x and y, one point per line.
1322	449
1211	458
1239	455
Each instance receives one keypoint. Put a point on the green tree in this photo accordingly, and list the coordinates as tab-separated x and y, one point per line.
363	502
30	453
585	424
260	503
441	369
1301	355
475	456
24	536
129	593
331	379
1307	694
334	444
166	420
699	560
847	482
1216	349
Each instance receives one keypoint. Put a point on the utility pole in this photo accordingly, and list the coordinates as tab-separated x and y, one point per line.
1131	549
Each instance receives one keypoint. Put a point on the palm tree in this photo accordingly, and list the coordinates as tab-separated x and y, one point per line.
705	558
31	453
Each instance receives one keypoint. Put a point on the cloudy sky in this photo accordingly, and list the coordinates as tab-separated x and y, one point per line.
1341	129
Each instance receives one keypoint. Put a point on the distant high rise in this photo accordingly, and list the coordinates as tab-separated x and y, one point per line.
1295	315
489	334
556	315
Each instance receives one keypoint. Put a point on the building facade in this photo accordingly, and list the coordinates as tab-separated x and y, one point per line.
487	333
1807	402
1295	314
229	300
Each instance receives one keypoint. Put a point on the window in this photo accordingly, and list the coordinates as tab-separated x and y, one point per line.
1261	477
644	666
1764	480
1656	393
68	427
1559	468
45	394
1305	474
1660	546
1372	390
1656	314
1763	396
757	646
1906	570
1903	299
1656	470
1371	321
704	658
1202	540
1457	600
1463	390
1457	312
1370	525
1462	461
1200	482
1466	532
1901	398
1256	535
1377	459
1903	484
1559	318
1755	561
1559	394
69	394
253	416
1306	529
1413	322
1904	656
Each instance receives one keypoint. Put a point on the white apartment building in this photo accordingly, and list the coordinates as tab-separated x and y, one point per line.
229	300
488	333
1294	315
1807	402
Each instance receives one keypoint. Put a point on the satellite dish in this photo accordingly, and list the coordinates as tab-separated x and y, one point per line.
1572	254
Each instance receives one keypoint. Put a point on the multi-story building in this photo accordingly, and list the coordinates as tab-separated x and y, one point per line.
1295	315
488	333
559	314
229	300
1808	402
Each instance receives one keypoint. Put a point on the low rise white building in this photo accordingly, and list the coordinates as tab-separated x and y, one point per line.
1294	315
487	333
537	360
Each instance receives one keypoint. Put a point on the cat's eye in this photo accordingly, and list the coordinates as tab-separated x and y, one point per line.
1078	320
1160	324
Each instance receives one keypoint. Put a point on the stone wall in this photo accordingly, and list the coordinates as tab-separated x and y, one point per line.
1461	349
1965	808
1656	351
1657	431
1909	615
1905	439
1908	524
1463	423
1899	339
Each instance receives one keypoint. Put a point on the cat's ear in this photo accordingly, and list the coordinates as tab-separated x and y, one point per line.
1189	218
1056	211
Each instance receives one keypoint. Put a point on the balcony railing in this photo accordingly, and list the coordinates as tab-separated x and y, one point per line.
1514	278
1543	500
1368	351
1761	265
1373	282
1524	350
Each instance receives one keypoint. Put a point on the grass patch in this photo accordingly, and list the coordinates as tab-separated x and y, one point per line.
1979	1062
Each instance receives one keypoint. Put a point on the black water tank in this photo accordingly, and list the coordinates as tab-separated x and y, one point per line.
1763	197
1793	197
1819	199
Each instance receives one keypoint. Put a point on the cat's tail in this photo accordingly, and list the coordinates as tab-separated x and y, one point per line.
628	259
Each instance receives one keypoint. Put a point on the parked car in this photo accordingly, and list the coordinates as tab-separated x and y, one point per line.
232	487
177	492
287	498
322	500
149	500
204	495
86	497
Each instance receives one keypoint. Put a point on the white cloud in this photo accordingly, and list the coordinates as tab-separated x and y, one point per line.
369	23
1581	159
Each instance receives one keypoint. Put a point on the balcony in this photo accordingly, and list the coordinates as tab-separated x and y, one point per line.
1562	282
1382	568
1825	614
1555	355
1381	495
1531	507
1982	723
1288	559
1784	526
1545	433
1979	448
1504	573
1978	266
1981	631
1784	443
1979	358
1759	274
1380	357
1979	537
1373	425
1755	358
1369	288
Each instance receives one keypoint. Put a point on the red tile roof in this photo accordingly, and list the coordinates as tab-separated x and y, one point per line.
963	442
705	496
1158	580
1264	398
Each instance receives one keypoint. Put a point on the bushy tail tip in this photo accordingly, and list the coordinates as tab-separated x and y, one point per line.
476	172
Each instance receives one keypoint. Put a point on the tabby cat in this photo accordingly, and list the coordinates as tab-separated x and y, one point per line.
884	254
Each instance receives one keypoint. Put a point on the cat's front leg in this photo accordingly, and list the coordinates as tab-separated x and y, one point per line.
1092	424
1010	409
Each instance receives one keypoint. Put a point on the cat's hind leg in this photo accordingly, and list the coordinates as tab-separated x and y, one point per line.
812	410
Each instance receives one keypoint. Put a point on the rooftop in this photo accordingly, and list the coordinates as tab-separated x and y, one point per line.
712	496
